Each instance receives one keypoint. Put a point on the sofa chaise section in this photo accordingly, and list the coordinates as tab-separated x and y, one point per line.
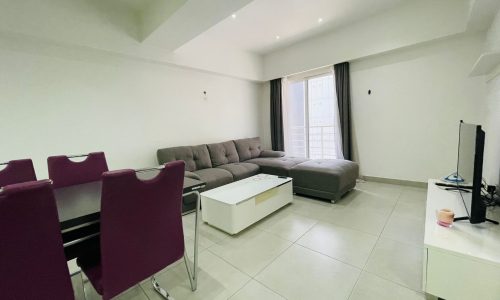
324	178
279	166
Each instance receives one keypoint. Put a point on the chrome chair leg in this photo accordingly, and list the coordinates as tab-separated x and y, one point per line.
192	278
193	272
162	292
83	285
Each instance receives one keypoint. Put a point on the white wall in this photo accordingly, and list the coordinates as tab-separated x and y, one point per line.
492	42
65	102
492	128
265	116
408	127
492	147
407	25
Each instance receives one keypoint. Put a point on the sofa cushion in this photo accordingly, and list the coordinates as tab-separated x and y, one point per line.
214	177
223	153
201	157
279	166
328	175
241	170
191	175
248	148
272	153
195	157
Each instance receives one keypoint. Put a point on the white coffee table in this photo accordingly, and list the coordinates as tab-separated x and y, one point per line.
235	206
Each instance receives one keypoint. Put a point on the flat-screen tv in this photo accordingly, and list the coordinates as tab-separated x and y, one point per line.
470	170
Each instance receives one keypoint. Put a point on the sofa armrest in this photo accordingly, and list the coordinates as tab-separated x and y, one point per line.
192	175
271	153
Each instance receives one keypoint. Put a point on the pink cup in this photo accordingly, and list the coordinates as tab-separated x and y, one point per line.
445	217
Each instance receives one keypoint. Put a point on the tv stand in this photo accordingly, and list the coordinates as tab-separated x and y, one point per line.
467	218
459	262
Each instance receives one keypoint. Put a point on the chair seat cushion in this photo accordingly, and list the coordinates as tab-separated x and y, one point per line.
328	175
241	170
279	166
214	177
91	266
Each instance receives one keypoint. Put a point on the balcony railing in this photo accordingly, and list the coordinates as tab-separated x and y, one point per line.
321	141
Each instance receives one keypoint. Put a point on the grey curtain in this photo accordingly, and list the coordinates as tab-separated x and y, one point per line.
277	137
342	85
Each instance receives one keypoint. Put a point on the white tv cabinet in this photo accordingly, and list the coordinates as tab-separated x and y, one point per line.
461	262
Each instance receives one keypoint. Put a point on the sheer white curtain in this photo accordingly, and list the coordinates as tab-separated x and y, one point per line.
336	126
284	102
311	116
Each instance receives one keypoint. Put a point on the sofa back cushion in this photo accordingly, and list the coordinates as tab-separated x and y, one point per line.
248	148
195	157
223	153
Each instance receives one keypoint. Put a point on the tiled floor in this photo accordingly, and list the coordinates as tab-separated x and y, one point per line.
367	246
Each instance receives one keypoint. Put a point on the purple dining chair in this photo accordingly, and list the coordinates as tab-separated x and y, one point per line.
17	171
141	229
32	261
65	172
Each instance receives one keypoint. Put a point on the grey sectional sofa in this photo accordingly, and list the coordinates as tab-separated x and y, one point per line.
221	163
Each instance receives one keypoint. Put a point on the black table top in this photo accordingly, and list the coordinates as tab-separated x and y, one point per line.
81	203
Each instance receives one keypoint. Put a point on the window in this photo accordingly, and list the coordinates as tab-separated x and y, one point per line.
310	117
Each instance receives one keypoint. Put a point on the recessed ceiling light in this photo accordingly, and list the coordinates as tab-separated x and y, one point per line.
233	16
277	37
320	20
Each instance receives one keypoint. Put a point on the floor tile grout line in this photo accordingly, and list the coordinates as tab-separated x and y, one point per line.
254	276
242	287
243	272
375	245
229	263
291	243
328	256
397	283
390	215
345	227
140	285
380	237
270	288
267	265
404	243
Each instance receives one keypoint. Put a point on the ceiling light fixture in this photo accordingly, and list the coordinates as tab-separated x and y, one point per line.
277	37
320	20
233	16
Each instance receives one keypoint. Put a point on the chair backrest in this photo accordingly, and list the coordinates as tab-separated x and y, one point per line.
141	226
17	171
65	172
32	261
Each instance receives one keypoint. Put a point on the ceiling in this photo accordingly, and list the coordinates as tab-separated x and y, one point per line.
136	5
257	24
